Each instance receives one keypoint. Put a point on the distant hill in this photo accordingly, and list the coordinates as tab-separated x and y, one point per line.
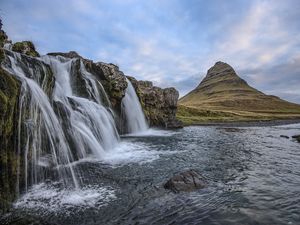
223	96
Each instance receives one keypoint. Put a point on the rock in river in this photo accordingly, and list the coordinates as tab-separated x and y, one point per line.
284	136
186	181
297	137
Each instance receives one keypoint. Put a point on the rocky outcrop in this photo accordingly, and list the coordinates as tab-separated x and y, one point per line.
25	47
186	181
3	38
159	105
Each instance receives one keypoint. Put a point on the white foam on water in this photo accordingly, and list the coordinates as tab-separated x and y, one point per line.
151	132
128	152
48	198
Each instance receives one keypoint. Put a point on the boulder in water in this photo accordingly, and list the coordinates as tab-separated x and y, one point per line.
297	137
186	181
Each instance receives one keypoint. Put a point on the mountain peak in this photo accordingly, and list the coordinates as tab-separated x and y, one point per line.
220	69
221	74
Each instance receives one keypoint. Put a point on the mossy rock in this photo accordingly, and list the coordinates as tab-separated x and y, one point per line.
25	47
9	159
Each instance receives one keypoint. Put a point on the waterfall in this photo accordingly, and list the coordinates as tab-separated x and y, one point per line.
132	111
92	125
42	127
61	126
64	115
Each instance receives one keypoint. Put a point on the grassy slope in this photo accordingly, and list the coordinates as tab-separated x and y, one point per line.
228	98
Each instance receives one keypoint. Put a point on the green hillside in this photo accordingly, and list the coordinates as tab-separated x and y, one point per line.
224	96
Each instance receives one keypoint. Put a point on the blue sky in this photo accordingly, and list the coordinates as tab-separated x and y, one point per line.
170	42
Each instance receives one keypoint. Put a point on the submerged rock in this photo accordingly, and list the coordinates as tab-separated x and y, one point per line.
284	136
186	181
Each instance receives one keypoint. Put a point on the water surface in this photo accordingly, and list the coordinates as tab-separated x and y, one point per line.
253	176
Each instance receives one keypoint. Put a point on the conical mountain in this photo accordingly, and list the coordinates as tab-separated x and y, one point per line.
223	89
223	96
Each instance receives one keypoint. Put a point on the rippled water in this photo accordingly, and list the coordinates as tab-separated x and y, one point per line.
253	176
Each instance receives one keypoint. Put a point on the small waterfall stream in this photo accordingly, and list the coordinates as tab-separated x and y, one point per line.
133	112
59	127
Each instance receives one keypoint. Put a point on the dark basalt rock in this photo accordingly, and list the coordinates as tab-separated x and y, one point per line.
186	181
297	137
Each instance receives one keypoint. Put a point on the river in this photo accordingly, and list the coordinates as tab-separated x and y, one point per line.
253	177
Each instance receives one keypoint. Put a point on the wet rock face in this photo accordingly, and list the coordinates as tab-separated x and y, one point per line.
12	157
159	105
9	159
186	181
114	83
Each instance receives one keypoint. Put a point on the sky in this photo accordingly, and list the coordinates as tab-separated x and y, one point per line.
170	42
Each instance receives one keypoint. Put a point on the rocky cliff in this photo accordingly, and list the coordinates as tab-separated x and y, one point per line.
160	105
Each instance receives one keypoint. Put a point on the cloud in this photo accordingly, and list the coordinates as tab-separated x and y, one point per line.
169	42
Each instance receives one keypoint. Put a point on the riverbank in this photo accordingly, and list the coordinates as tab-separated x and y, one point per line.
261	123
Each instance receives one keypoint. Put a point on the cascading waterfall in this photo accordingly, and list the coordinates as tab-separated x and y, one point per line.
132	111
91	125
64	116
64	127
42	127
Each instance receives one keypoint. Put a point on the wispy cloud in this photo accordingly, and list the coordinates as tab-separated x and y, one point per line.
172	43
